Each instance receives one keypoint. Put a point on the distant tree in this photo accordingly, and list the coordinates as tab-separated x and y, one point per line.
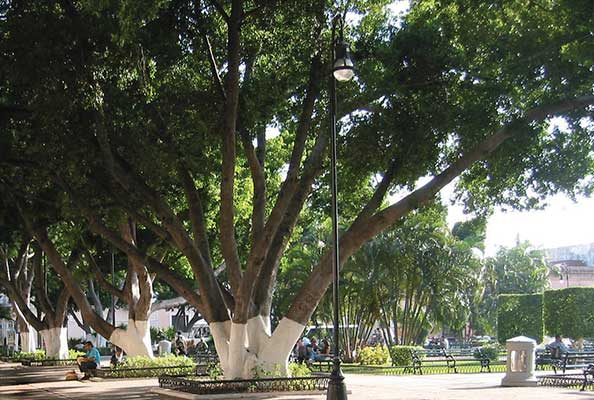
517	270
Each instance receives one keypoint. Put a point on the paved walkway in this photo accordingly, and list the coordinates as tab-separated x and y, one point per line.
14	385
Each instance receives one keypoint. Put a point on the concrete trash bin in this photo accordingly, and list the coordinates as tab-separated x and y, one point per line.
521	352
164	347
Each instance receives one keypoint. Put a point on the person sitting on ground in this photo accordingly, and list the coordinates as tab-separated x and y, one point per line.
180	345
117	356
557	347
89	363
202	346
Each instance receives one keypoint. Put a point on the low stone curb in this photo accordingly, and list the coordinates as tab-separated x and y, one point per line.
168	394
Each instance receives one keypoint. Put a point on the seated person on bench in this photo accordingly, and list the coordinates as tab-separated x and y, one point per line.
557	347
90	361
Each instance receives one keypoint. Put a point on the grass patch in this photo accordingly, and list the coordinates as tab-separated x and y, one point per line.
469	367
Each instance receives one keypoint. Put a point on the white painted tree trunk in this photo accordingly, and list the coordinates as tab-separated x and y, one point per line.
135	340
56	342
246	350
27	340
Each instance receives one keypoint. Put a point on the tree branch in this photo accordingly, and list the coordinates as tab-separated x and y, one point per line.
100	278
61	307
228	129
261	246
314	288
196	213
133	184
221	10
40	234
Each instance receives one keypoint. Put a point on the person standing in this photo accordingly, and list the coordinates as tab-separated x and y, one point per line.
301	351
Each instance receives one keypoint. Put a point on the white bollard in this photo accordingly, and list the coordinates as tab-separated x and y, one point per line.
521	352
164	347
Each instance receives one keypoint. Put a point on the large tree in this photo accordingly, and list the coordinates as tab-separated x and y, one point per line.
160	110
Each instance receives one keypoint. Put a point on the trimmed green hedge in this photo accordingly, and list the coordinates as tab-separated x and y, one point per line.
569	312
401	355
520	315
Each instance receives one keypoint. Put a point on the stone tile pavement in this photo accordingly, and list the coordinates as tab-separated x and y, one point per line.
44	384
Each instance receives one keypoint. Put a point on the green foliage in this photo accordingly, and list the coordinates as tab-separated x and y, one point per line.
516	270
473	232
158	334
296	370
73	342
72	354
374	355
259	372
401	355
520	269
185	366
569	312
33	355
415	276
5	313
428	90
520	315
491	352
214	371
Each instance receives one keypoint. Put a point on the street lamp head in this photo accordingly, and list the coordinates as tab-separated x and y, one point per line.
343	67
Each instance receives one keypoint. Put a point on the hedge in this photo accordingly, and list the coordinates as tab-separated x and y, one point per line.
401	355
520	315
569	312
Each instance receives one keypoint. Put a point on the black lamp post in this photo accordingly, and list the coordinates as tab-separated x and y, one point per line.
342	70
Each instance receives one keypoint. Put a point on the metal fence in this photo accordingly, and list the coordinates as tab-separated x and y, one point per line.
197	386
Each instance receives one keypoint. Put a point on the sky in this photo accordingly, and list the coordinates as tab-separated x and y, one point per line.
563	223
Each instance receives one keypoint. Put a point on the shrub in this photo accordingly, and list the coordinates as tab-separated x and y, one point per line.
520	315
33	355
401	355
569	312
374	355
491	352
170	333
72	342
185	366
72	354
157	334
297	370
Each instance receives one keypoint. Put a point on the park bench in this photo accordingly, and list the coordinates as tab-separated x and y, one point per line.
445	358
322	364
462	355
49	362
544	358
588	371
427	358
205	358
573	360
